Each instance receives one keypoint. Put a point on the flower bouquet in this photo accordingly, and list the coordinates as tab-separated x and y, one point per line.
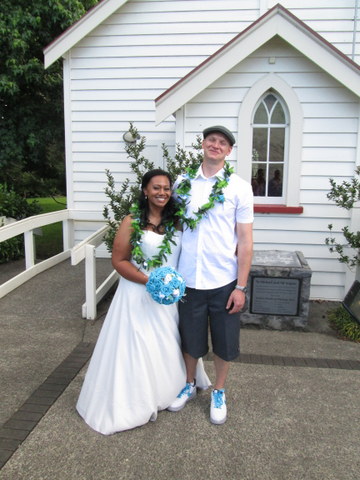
166	285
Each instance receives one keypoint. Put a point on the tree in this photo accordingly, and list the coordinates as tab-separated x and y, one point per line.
31	101
121	200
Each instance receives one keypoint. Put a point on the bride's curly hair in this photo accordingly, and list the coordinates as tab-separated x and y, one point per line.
170	208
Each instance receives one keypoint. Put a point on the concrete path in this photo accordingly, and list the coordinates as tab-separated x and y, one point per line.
293	401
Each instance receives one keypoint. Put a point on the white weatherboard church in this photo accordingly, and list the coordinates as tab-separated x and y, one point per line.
284	78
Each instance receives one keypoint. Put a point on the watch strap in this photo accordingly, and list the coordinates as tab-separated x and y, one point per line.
241	288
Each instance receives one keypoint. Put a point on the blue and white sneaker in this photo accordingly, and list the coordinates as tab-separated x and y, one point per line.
186	394
218	407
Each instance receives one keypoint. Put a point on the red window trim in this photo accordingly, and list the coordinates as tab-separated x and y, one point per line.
259	208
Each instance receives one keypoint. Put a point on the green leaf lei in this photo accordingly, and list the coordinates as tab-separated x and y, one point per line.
216	195
135	241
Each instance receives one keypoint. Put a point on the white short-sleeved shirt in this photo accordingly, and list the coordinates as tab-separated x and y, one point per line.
208	259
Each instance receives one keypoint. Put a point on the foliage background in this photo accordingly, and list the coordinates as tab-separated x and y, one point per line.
31	99
14	206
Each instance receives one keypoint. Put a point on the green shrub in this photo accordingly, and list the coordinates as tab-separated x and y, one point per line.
344	324
345	195
15	206
12	249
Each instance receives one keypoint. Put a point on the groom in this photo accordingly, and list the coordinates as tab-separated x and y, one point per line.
215	261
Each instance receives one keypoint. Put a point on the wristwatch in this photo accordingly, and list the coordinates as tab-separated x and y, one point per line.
243	289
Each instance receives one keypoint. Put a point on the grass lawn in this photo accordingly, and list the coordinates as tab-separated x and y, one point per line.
50	242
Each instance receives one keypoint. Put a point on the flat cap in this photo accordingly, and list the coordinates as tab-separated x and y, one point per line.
220	129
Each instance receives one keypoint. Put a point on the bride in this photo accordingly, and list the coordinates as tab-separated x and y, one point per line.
137	367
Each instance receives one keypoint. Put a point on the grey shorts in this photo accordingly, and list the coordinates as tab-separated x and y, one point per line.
197	310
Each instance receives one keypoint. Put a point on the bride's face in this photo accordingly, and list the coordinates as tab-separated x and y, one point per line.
158	191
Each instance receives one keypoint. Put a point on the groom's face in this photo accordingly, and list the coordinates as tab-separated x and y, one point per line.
216	146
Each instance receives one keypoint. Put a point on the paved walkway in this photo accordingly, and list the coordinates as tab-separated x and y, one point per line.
293	401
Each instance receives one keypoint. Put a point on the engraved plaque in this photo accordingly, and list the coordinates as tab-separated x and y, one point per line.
275	296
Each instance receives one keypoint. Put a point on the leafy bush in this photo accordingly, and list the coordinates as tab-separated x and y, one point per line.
344	324
121	200
14	206
345	196
11	249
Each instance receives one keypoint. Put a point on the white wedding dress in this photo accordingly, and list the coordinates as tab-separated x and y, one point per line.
137	366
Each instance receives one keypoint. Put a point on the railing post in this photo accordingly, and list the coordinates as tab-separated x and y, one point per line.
89	309
29	249
68	234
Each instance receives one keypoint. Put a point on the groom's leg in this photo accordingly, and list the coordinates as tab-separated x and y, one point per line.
190	363
193	325
221	369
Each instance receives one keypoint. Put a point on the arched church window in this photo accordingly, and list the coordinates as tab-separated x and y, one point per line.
269	164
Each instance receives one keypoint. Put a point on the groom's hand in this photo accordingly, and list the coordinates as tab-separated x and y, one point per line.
236	301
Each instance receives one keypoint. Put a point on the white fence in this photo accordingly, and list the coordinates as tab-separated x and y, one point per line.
86	250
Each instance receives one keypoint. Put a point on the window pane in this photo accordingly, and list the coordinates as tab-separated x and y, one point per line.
270	100
261	115
277	139
258	181
276	181
278	115
260	143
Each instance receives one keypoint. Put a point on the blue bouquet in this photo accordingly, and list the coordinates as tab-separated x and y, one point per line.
166	285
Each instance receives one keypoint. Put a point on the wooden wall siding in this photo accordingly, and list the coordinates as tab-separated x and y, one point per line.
110	67
118	70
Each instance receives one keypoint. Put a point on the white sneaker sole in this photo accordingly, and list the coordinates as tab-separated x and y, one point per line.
217	422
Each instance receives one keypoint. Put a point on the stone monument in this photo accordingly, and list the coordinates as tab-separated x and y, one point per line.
279	290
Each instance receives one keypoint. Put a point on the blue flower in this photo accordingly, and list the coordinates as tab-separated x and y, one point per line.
166	285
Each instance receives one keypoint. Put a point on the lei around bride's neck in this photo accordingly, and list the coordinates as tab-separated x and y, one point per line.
136	241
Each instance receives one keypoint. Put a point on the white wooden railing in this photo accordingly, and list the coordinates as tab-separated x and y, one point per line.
27	227
84	250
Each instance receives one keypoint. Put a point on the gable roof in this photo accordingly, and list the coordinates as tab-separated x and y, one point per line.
80	29
276	22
